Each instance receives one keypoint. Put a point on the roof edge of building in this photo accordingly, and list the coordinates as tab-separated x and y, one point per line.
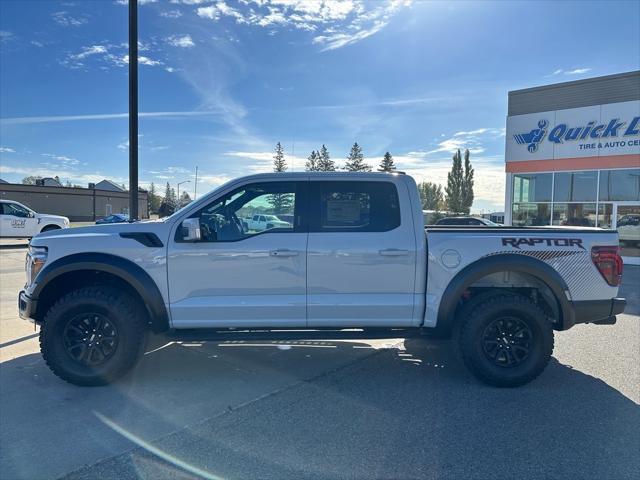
583	81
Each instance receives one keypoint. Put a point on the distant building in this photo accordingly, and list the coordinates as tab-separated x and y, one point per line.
109	185
497	217
48	182
79	204
3	181
573	156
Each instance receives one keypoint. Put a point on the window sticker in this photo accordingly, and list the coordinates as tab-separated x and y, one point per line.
347	211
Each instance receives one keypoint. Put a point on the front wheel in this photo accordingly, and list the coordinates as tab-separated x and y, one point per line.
505	341
92	336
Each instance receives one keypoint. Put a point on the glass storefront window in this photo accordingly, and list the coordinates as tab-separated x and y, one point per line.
574	214
605	215
620	185
575	186
532	187
531	214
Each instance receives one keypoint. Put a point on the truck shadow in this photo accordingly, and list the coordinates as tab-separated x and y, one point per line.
314	409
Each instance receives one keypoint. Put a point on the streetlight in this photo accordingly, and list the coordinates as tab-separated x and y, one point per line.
133	110
180	183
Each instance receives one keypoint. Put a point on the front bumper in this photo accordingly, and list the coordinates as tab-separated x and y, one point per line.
26	307
600	312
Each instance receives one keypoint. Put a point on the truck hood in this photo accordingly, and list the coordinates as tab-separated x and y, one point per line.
93	232
42	217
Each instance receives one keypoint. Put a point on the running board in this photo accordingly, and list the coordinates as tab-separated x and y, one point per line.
227	335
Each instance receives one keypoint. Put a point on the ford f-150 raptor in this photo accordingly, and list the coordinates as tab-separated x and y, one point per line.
355	262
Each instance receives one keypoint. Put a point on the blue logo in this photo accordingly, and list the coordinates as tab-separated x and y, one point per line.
534	137
593	133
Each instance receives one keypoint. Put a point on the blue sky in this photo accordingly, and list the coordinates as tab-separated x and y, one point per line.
222	81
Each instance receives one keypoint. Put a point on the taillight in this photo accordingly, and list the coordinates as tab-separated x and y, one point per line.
609	263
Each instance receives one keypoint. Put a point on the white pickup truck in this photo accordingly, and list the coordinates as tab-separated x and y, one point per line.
356	262
261	222
19	221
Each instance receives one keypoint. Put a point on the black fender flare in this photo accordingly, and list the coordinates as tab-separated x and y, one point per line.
126	270
502	263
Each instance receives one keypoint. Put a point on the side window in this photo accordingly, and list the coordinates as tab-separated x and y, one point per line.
262	218
15	210
356	207
227	219
2	212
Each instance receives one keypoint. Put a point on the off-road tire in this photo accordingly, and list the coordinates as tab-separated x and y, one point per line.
120	309
471	327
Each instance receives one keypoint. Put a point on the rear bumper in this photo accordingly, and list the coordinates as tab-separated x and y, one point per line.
602	312
26	306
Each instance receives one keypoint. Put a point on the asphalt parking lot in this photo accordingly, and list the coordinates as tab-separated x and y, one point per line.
379	409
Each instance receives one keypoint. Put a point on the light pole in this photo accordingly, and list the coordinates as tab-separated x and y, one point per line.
180	183
133	110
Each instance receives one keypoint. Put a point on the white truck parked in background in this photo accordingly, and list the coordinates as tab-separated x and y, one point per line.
356	262
19	221
259	223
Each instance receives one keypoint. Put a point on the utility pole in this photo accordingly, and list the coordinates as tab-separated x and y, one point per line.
195	186
133	110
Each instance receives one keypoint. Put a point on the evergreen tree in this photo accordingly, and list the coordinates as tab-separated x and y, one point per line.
279	163
455	185
467	184
387	164
355	160
325	164
154	199
168	204
431	196
280	202
312	162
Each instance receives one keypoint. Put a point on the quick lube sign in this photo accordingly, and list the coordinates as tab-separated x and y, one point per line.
612	129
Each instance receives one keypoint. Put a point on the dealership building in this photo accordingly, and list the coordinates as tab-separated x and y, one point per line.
573	156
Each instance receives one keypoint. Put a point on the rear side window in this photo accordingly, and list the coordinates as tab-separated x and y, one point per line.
355	207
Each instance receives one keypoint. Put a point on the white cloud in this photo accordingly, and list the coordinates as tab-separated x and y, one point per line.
344	22
262	162
104	116
66	20
71	175
7	150
213	180
5	36
575	71
473	140
88	51
184	41
171	14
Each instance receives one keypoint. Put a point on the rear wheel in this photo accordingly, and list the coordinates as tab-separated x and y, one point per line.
505	340
92	336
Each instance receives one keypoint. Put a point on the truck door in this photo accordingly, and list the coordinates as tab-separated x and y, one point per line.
361	254
17	221
239	278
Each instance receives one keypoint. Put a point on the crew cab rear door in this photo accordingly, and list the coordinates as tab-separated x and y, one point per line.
238	276
361	253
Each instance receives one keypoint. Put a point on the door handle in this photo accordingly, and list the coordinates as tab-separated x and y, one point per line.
393	252
283	253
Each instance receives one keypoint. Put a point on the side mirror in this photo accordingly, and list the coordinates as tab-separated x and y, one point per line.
191	230
32	215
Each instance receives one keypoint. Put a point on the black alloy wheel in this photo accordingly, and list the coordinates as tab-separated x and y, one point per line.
507	341
90	338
